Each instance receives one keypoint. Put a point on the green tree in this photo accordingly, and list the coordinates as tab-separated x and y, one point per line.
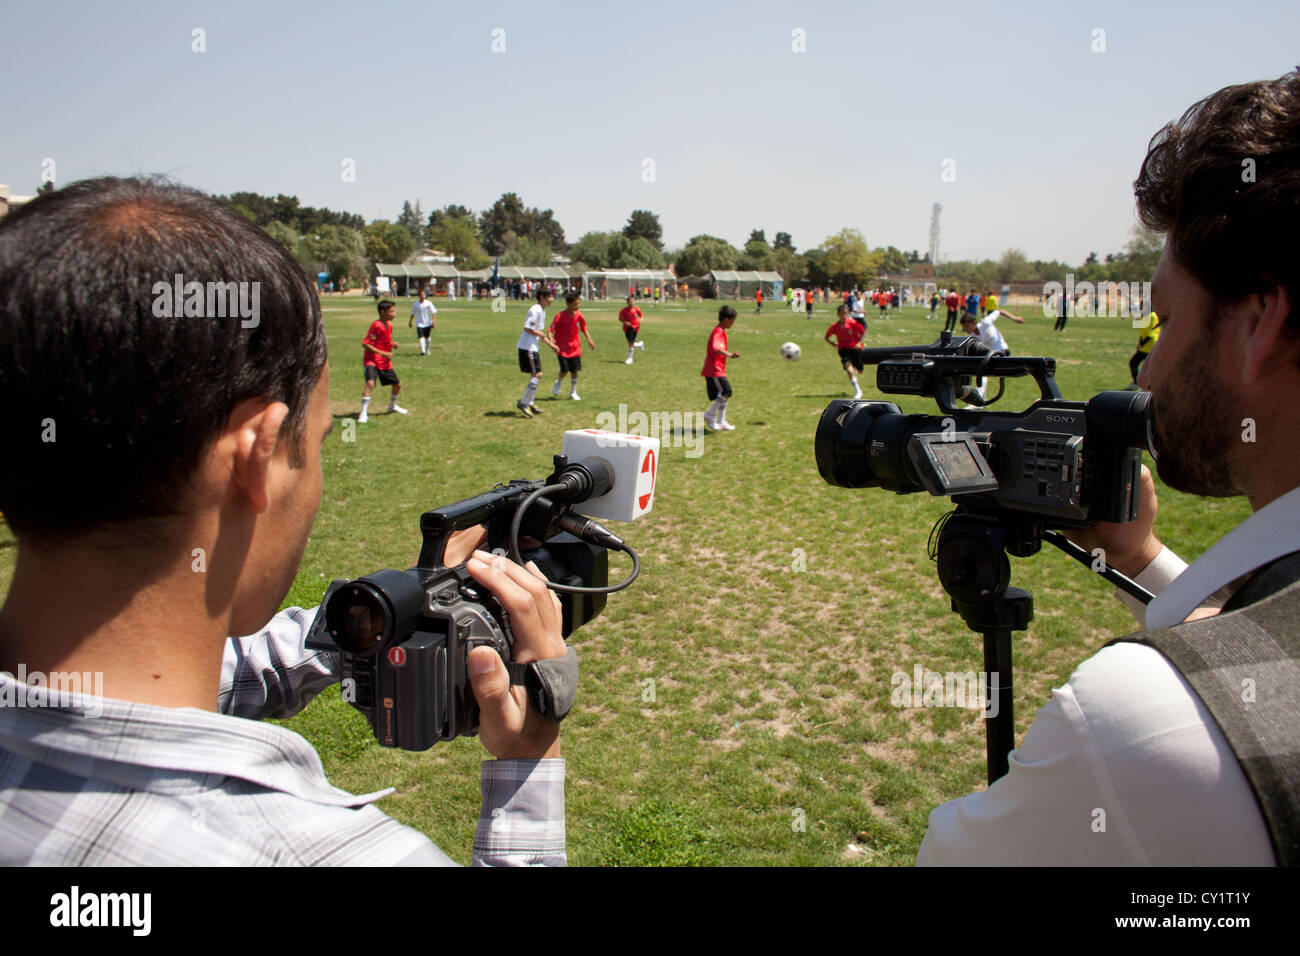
339	251
387	241
509	215
592	250
788	264
757	255
705	253
891	260
285	236
783	241
457	236
528	251
643	224
1013	267
848	259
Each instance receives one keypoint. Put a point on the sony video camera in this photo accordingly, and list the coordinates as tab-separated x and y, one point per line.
405	636
1059	464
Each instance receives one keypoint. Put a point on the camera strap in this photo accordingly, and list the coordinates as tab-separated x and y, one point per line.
552	684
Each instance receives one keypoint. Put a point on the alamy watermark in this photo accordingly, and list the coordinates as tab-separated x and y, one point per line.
966	689
212	300
1101	299
82	691
673	429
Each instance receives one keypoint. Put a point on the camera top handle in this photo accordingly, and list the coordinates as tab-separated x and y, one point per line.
933	370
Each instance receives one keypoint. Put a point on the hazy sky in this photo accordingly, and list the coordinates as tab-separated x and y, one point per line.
721	117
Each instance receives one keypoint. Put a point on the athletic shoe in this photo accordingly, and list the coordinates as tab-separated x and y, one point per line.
556	391
575	396
362	418
534	409
396	408
628	361
727	426
528	412
639	345
858	393
711	424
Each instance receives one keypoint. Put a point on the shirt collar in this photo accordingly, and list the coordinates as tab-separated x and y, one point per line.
1270	533
144	747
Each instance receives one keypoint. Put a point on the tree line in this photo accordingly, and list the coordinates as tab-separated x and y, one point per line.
344	245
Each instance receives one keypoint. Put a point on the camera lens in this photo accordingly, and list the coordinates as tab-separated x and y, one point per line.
369	613
864	445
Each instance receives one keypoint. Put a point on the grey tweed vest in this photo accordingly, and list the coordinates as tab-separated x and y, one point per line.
1244	664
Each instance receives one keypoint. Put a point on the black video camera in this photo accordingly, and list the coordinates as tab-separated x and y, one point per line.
1058	463
405	636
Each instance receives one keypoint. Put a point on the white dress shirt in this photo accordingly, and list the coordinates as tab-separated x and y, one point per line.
1125	765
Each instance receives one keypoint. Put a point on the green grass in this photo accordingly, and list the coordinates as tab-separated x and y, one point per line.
770	738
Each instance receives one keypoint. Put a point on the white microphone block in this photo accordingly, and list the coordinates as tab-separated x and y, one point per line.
633	461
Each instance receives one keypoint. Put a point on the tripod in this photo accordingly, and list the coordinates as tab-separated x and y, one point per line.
975	571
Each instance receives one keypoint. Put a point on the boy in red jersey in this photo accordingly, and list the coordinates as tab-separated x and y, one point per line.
564	332
378	361
630	316
847	335
715	371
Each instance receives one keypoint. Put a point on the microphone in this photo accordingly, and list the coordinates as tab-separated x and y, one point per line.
613	475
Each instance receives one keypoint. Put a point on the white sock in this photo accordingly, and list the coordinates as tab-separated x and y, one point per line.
365	403
713	410
630	350
392	402
573	386
530	393
722	412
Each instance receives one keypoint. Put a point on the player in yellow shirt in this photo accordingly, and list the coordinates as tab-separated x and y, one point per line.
1146	342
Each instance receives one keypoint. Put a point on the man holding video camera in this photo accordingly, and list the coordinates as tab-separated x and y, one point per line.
170	475
1179	745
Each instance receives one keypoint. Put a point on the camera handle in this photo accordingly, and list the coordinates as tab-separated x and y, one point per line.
975	571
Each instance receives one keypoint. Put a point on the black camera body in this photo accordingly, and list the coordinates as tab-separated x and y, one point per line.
405	636
1064	464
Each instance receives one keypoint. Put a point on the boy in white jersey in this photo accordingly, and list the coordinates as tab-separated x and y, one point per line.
530	362
422	314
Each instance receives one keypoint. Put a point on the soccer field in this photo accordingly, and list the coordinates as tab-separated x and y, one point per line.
735	703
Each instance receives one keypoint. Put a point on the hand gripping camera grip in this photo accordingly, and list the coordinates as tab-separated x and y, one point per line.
552	684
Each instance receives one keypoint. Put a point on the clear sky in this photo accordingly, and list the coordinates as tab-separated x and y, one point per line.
800	117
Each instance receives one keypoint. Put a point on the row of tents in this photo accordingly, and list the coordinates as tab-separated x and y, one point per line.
406	279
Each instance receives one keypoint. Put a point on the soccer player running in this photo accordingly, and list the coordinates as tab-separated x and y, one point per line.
1146	342
530	363
715	371
422	314
630	316
378	362
564	332
846	334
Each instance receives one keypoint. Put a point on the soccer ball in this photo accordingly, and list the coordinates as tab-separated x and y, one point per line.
791	352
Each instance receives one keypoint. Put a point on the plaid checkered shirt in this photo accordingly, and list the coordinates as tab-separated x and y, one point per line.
89	781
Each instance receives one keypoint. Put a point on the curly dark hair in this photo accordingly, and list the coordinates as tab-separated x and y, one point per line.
1223	182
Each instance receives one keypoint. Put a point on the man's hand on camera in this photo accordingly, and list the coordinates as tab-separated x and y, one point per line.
508	725
1127	547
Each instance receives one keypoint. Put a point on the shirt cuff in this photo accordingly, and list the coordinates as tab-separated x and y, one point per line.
522	819
1155	577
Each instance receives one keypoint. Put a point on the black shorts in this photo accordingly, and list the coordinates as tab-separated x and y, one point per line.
630	334
718	386
808	304
530	361
424	332
386	376
852	355
571	365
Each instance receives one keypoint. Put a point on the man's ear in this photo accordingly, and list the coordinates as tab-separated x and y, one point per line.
256	425
1268	339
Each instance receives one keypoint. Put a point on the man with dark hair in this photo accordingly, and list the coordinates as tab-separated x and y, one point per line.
1179	744
202	433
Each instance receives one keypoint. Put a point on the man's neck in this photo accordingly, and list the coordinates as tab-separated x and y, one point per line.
82	611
